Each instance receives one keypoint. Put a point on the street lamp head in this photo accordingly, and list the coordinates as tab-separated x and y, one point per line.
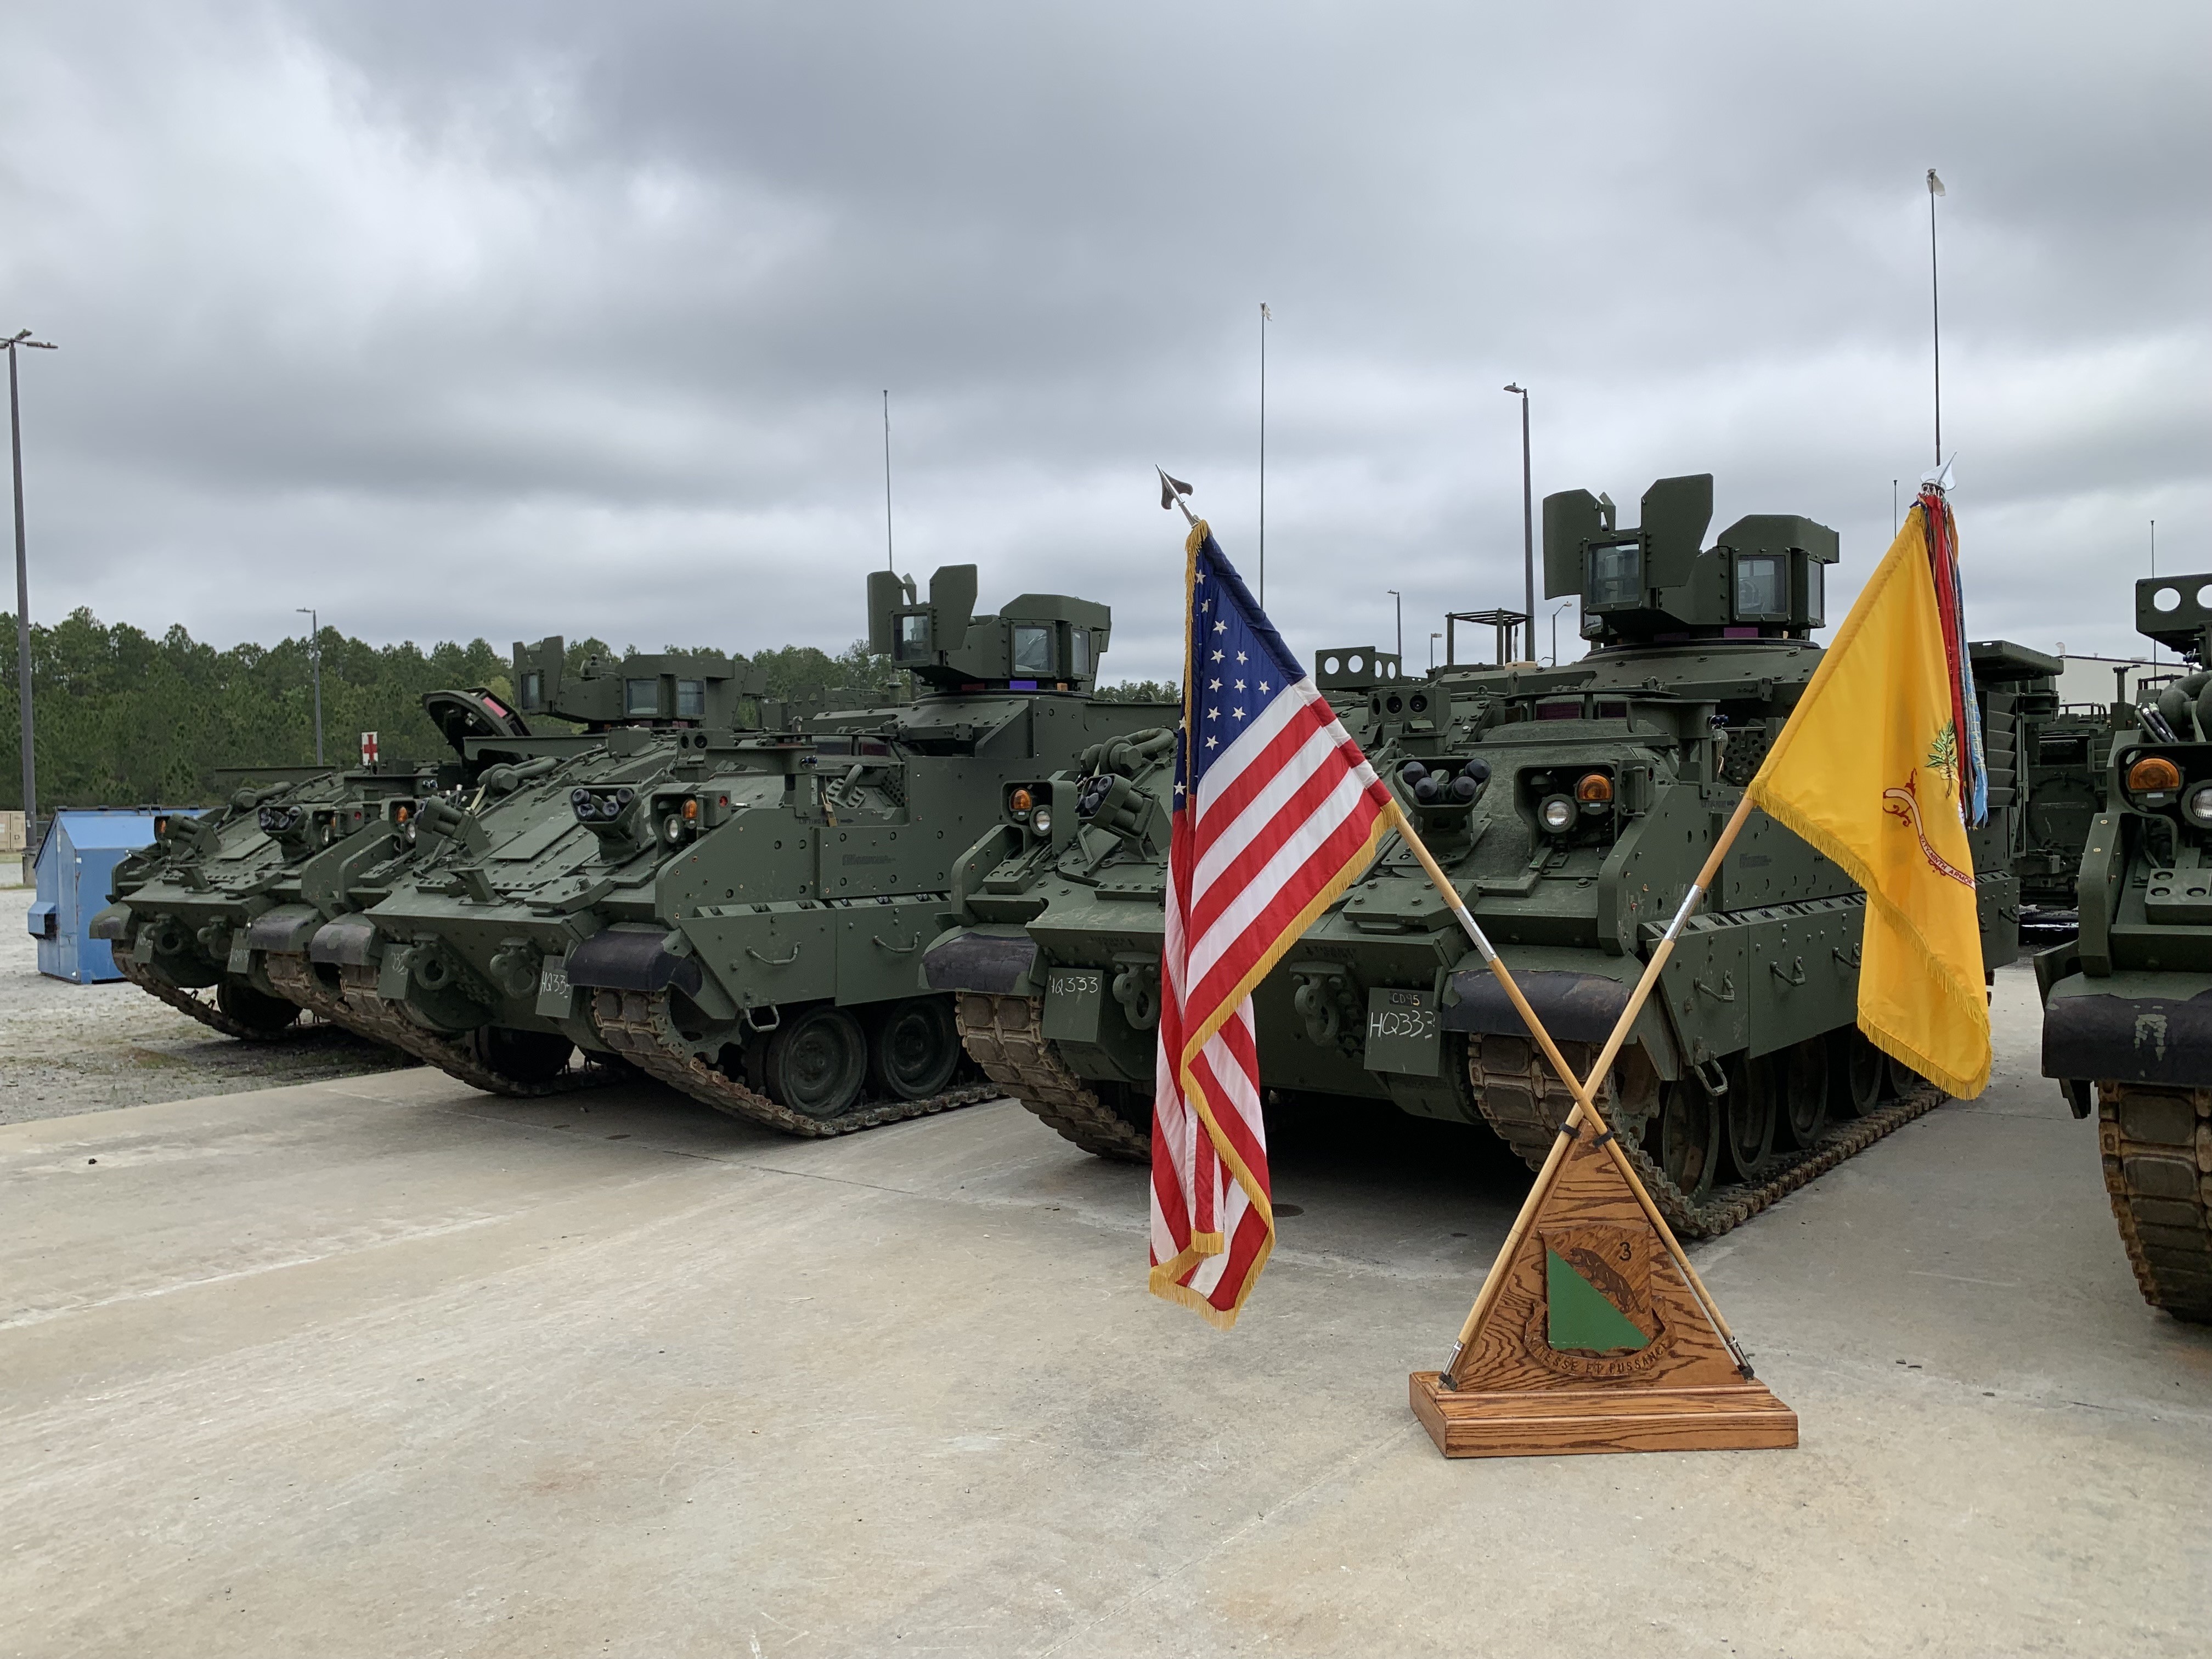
1519	388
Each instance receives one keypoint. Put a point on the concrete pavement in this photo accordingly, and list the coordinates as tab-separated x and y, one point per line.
384	1366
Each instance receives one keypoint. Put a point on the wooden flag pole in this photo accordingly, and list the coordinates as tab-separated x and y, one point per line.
1582	1090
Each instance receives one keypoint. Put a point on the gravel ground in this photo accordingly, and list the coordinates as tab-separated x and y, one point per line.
67	1049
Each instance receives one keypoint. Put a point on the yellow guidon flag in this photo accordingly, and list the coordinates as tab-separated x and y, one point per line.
1879	768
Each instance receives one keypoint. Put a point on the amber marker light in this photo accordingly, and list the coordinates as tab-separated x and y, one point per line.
1595	789
691	811
2153	775
1021	800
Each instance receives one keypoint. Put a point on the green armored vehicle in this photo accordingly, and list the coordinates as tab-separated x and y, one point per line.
636	712
1572	806
740	915
180	908
2127	1020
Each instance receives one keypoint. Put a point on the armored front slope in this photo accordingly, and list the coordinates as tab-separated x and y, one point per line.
741	916
184	906
2127	1027
1571	807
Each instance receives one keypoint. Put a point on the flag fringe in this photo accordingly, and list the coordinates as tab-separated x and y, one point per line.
1164	1286
1976	1005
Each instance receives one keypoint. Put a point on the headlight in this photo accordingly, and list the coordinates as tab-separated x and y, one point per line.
671	830
1041	821
1556	814
2197	807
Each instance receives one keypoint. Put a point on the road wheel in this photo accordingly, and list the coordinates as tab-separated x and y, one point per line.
524	1056
1805	1092
1856	1072
913	1049
816	1061
1748	1110
268	1015
1685	1137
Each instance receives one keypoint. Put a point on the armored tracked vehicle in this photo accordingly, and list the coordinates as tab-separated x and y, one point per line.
2127	1023
181	908
636	712
740	915
1571	807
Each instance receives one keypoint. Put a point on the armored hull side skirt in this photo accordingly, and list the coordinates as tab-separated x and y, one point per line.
204	1012
361	1011
1005	1035
2156	1148
637	1025
1519	1097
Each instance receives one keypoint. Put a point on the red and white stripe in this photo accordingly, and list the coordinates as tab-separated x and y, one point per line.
1284	819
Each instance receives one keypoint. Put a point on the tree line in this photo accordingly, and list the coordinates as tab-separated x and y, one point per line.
126	719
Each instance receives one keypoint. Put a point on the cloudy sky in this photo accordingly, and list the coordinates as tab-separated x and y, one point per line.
518	319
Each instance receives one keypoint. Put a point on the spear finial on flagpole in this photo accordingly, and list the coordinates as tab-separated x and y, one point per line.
1172	491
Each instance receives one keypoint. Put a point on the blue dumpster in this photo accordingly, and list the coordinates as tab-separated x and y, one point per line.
77	855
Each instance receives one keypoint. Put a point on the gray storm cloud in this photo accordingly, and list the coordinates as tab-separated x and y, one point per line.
516	320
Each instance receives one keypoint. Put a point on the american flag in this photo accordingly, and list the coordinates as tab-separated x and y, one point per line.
1276	811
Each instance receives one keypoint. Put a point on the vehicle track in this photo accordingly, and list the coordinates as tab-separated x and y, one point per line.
637	1025
2156	1148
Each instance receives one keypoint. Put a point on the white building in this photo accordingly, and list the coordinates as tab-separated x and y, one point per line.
2088	679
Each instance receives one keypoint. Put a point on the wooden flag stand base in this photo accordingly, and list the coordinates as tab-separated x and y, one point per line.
1593	1332
1594	1340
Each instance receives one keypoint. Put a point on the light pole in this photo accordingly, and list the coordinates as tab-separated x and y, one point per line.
315	652
1556	609
1527	512
1395	594
22	337
1433	638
